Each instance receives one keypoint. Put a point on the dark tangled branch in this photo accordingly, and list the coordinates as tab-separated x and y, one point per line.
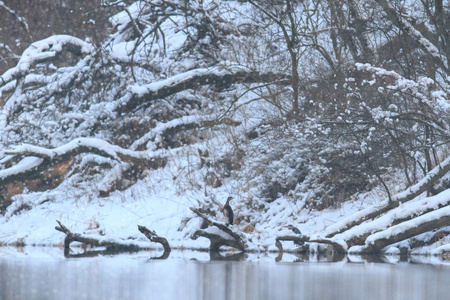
235	240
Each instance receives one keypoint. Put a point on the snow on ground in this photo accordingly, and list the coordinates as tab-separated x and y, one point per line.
155	202
161	202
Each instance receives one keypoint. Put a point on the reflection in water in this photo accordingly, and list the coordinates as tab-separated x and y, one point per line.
68	253
136	277
219	256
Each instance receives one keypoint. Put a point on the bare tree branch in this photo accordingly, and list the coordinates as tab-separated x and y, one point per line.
193	79
234	239
45	158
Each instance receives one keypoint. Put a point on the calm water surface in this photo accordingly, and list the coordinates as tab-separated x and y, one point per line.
190	275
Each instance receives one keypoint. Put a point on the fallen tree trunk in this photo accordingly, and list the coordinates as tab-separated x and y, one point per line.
358	234
112	245
427	222
222	237
337	247
193	79
375	211
39	167
94	242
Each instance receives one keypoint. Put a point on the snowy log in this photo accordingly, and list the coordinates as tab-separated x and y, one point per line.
153	237
112	245
430	221
95	242
192	80
357	235
337	247
374	211
224	236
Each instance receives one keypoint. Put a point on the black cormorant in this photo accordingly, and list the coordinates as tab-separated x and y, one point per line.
228	212
296	231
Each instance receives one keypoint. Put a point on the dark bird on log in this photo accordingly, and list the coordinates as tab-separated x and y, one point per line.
296	231
228	212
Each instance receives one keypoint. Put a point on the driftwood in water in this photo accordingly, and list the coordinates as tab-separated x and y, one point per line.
338	248
231	239
94	242
295	239
153	237
110	245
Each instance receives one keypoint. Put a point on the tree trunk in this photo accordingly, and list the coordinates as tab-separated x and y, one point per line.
375	211
433	220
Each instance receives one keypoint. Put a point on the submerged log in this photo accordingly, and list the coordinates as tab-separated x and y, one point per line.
294	238
338	248
153	237
217	256
219	239
91	241
111	245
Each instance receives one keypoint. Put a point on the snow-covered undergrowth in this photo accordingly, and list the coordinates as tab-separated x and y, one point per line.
159	204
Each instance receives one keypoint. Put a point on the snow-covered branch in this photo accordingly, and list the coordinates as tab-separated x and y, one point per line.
38	159
427	222
193	79
374	211
21	77
422	89
20	19
184	123
398	20
45	50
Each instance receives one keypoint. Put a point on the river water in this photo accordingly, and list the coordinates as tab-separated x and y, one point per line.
192	275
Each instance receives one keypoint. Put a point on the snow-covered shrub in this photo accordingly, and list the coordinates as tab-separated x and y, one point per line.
292	160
